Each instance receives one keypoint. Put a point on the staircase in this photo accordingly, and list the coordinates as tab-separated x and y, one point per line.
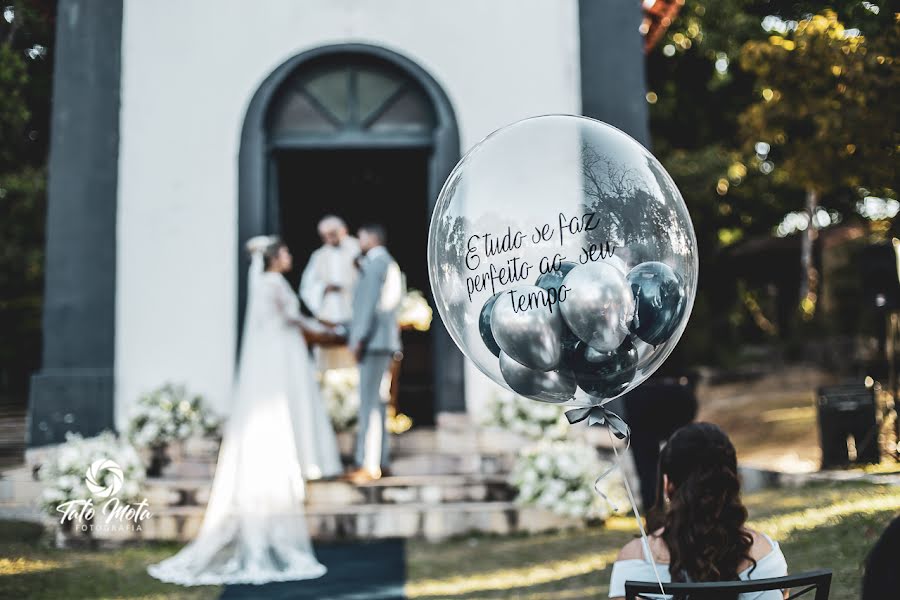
434	493
445	482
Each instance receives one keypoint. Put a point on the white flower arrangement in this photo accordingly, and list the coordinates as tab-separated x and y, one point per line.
169	413
559	476
528	418
340	390
63	473
415	311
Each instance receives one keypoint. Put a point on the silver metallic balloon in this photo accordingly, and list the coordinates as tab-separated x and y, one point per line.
529	200
532	336
599	305
549	386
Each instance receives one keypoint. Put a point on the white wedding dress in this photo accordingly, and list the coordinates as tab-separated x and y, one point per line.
278	433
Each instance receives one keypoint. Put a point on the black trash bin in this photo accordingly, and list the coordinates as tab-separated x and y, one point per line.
848	411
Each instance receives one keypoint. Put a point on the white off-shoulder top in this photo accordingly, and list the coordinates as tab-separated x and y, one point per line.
772	564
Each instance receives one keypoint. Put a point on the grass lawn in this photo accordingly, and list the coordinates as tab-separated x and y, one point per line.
828	526
31	568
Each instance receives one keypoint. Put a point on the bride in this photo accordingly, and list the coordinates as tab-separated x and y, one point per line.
278	434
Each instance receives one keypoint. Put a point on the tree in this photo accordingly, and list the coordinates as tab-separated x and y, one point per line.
825	113
697	91
26	33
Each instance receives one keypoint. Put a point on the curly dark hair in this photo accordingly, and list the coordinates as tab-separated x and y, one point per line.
703	522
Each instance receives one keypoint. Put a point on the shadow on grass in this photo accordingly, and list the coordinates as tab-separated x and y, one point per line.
592	586
78	583
20	532
841	547
30	567
462	558
572	564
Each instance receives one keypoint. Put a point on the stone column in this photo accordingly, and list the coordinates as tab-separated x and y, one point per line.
613	84
74	389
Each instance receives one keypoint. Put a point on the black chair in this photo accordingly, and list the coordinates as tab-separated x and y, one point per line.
818	581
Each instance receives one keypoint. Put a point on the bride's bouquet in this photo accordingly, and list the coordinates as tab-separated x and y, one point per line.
169	414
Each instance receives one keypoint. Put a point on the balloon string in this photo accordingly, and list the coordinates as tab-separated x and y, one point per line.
637	513
612	468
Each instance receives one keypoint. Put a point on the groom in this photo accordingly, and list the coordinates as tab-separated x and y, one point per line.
374	337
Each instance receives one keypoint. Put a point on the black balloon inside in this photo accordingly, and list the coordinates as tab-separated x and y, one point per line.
569	342
484	325
660	300
554	279
604	374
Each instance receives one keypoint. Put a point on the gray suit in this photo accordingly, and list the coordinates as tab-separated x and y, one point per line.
376	300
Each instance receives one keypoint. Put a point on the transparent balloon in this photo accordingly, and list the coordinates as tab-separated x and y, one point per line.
562	259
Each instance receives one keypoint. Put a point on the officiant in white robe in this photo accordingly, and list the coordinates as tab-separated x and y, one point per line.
327	285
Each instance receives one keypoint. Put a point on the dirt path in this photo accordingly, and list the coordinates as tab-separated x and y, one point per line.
771	419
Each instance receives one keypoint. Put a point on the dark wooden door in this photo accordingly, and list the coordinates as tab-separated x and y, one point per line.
386	186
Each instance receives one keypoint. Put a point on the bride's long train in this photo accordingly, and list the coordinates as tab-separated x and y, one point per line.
254	529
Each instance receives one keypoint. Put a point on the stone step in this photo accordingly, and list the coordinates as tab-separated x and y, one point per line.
452	463
426	462
428	489
411	443
18	486
415	441
366	521
431	489
428	478
184	468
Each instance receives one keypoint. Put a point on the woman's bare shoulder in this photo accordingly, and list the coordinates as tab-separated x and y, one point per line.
761	545
635	549
631	551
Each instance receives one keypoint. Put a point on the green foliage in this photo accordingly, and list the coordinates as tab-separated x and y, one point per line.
702	87
21	221
14	112
26	69
826	105
26	73
22	198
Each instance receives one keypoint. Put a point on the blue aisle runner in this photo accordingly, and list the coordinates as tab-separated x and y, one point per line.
359	571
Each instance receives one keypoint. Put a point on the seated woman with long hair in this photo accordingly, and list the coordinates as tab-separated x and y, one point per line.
697	528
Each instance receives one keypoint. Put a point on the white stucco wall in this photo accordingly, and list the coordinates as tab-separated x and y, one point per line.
189	69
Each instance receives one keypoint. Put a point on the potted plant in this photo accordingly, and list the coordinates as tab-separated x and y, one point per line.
168	415
340	391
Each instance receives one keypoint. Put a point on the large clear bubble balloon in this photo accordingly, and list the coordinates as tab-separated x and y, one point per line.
562	259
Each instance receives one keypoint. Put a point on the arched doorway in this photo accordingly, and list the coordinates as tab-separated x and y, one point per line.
365	133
